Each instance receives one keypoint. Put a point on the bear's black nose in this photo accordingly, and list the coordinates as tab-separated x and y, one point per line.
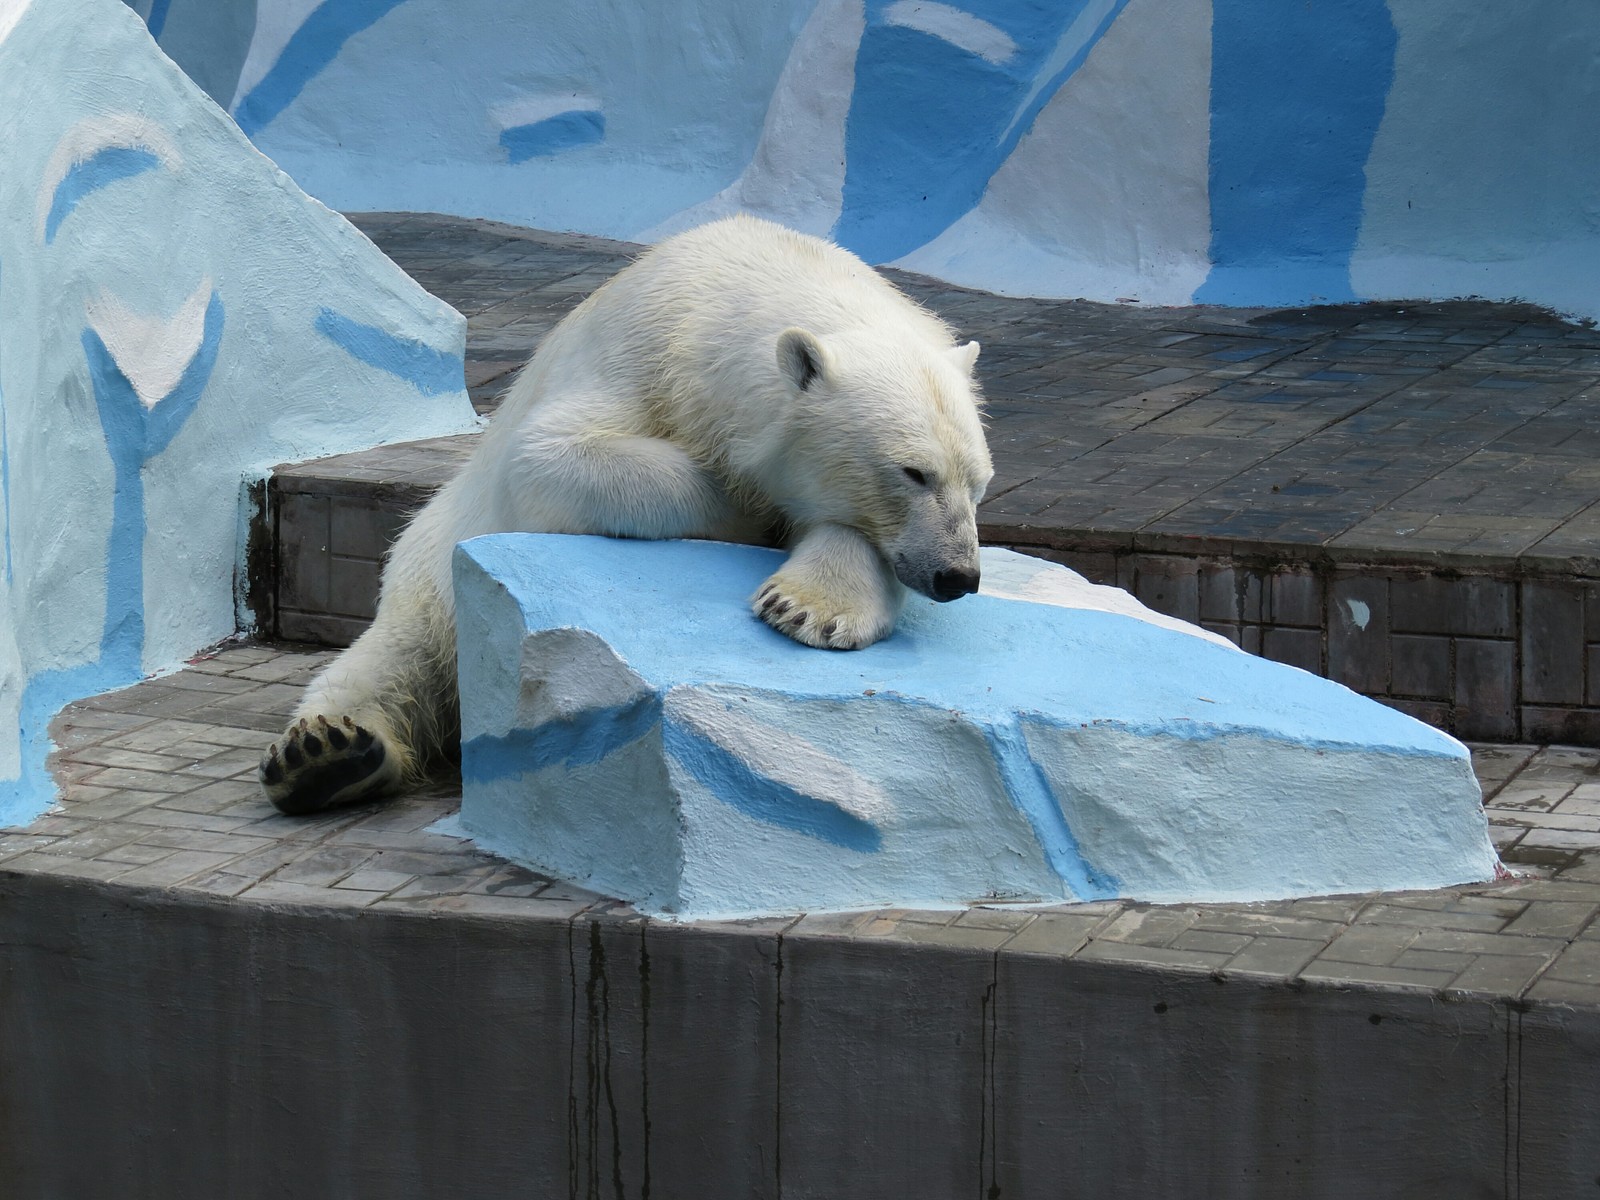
952	585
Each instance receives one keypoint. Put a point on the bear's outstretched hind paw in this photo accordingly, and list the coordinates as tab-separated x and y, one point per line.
319	764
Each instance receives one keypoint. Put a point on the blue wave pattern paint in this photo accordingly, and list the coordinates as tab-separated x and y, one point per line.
586	739
157	20
931	120
1033	797
311	48
101	169
564	131
1297	95
432	372
593	736
731	780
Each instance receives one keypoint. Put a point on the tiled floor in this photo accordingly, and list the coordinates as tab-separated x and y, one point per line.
1448	429
158	791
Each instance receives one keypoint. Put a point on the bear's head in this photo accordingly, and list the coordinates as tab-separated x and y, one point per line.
884	434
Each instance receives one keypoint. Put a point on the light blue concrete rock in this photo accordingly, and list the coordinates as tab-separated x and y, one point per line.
630	726
176	317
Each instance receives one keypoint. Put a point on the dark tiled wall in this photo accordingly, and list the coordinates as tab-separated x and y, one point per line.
1496	659
329	556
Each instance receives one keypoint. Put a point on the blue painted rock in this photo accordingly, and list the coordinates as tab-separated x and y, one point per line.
628	725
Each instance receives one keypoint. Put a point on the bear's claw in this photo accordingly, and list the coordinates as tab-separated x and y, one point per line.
318	764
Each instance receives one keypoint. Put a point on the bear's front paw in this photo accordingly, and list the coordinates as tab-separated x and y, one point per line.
827	622
318	764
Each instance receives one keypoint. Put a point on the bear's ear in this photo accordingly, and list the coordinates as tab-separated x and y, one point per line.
965	357
801	358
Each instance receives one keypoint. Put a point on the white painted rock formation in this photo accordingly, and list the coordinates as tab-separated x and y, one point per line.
628	725
176	317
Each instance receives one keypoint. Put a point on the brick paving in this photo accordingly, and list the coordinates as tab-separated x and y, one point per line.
158	791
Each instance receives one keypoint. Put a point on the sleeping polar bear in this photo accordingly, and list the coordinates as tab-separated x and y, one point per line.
740	382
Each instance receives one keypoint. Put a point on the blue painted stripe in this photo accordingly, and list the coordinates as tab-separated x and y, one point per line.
564	131
432	372
1033	797
1297	94
930	122
731	780
586	738
134	435
157	21
102	168
308	52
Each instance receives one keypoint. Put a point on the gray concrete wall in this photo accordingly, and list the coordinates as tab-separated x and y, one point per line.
157	1044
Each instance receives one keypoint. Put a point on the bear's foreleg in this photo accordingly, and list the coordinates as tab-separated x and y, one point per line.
577	479
834	591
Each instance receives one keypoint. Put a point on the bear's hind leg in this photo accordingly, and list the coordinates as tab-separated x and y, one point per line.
834	591
371	722
319	764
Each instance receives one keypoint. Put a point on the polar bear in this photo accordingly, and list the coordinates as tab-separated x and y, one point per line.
740	382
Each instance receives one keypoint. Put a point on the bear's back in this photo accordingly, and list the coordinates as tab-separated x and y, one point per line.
746	278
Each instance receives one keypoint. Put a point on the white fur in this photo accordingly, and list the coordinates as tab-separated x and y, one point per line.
738	380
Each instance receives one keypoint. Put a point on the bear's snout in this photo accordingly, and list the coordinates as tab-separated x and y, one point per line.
952	585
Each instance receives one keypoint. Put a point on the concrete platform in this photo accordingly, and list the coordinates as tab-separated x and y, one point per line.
353	1005
1400	497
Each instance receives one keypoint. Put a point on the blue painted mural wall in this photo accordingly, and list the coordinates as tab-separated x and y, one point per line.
169	330
1231	151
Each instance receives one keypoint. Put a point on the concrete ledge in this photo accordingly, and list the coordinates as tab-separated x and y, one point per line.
195	1047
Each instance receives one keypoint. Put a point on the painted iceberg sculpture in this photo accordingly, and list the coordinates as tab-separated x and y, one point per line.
176	317
628	725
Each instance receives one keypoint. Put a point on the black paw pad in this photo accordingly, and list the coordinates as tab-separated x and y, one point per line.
292	755
336	738
312	744
271	768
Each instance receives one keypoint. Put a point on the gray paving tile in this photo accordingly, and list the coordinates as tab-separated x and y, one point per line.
273	891
1495	975
13	844
1133	954
1277	957
174	868
474	904
1323	971
1057	934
